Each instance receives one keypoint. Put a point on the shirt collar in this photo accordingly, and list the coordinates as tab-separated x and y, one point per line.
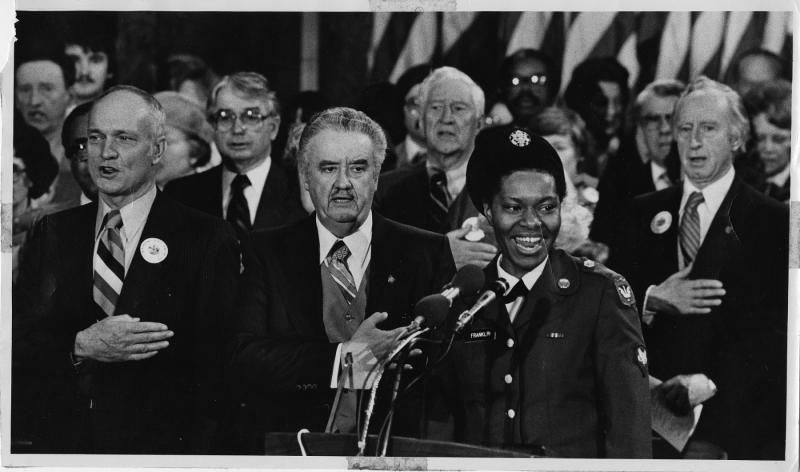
358	242
657	171
528	279
456	176
713	193
134	214
781	177
257	175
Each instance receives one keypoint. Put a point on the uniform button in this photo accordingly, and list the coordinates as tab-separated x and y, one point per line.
510	343
511	413
508	378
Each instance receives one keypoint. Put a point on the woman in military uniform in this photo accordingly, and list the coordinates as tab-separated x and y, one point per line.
557	365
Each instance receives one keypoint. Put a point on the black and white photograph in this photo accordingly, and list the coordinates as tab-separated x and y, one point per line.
399	236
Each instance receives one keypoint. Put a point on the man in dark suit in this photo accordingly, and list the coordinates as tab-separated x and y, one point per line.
710	264
645	163
249	189
558	367
315	292
429	195
119	304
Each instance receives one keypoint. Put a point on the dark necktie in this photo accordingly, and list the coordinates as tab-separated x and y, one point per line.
519	290
337	264
238	212
690	227
438	193
109	263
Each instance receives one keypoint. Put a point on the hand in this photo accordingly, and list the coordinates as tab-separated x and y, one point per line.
679	295
380	342
468	252
121	338
684	392
416	352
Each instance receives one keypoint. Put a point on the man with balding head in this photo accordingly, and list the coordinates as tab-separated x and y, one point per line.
118	303
710	261
429	195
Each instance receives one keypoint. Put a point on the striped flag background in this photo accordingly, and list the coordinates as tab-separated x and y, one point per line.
649	44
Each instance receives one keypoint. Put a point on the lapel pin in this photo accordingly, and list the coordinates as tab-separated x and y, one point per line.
563	283
728	229
391	279
661	222
153	250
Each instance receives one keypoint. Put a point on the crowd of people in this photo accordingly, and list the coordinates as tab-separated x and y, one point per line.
197	267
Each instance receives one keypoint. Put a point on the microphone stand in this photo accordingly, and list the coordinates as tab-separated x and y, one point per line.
384	443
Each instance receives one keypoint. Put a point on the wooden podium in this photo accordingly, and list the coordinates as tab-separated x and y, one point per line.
325	444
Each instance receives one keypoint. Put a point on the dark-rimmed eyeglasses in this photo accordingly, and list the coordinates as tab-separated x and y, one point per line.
250	118
535	79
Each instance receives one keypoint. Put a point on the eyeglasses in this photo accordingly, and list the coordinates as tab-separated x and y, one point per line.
654	120
535	79
77	150
250	118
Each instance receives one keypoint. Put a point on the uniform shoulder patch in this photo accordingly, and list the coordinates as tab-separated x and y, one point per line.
624	291
640	358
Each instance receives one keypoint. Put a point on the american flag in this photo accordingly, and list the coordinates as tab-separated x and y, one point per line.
650	45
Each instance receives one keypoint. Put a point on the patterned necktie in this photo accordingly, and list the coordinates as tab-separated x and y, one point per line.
438	192
109	263
238	211
337	263
690	227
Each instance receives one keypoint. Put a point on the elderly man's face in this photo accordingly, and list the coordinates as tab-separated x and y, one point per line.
450	121
41	95
91	71
245	144
705	140
341	178
123	150
655	123
773	144
526	217
525	90
77	152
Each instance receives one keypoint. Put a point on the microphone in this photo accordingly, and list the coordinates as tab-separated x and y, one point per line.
469	279
498	287
430	311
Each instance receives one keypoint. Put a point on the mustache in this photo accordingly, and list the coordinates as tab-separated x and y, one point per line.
84	78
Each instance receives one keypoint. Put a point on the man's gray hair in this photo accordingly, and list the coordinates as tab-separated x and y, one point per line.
740	125
249	84
451	73
343	119
661	88
158	118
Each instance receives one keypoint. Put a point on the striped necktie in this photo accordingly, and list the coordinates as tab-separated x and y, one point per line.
337	263
109	263
690	227
238	211
439	194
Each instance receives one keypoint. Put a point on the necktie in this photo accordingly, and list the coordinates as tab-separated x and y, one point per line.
109	263
238	211
438	193
516	296
690	227
337	263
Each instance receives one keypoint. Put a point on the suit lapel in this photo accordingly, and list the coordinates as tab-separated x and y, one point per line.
383	261
144	280
77	255
545	293
721	243
271	203
210	185
302	272
661	247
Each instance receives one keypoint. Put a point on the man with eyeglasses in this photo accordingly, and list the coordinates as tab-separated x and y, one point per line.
74	139
527	84
249	189
646	162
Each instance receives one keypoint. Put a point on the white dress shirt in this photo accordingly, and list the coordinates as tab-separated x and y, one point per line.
781	177
252	193
528	279
134	215
713	194
659	175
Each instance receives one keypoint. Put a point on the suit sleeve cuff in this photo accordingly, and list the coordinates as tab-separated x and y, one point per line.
647	315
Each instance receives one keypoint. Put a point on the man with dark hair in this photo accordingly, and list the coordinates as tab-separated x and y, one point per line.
710	266
528	84
249	189
118	303
74	139
315	292
91	45
556	365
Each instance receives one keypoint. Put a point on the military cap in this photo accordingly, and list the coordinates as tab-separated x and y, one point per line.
503	150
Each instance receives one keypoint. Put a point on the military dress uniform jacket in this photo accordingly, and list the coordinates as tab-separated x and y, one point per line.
568	378
167	404
282	355
741	344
